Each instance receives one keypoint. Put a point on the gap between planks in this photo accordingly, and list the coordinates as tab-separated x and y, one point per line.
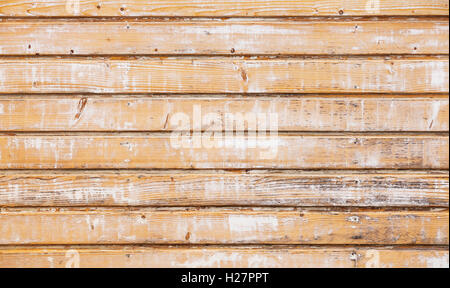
202	19
261	57
225	96
164	134
271	171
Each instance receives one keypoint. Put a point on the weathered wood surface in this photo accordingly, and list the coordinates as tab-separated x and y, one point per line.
255	37
222	8
223	257
314	113
222	226
224	75
343	189
315	151
356	176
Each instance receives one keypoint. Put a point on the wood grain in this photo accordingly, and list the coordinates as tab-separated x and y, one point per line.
128	113
340	189
263	37
175	151
222	226
222	257
354	174
222	8
224	75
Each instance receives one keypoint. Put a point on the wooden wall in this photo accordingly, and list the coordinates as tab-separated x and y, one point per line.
89	178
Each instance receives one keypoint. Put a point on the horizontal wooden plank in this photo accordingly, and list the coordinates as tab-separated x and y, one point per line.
176	151
225	189
222	226
217	37
222	257
223	75
222	8
383	113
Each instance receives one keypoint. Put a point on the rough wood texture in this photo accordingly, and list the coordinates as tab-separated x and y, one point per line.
225	189
334	113
222	8
222	226
391	36
222	257
355	174
176	152
224	75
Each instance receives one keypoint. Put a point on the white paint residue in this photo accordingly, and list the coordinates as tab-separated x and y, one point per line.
436	262
258	260
436	107
417	32
252	223
51	262
353	219
213	260
439	77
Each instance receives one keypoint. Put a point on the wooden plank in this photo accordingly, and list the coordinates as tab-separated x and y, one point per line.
221	226
222	257
177	151
222	8
224	75
129	113
245	37
407	258
225	189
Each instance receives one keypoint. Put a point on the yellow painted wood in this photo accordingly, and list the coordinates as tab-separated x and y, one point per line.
180	151
224	189
139	113
224	75
222	8
222	257
232	37
222	226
